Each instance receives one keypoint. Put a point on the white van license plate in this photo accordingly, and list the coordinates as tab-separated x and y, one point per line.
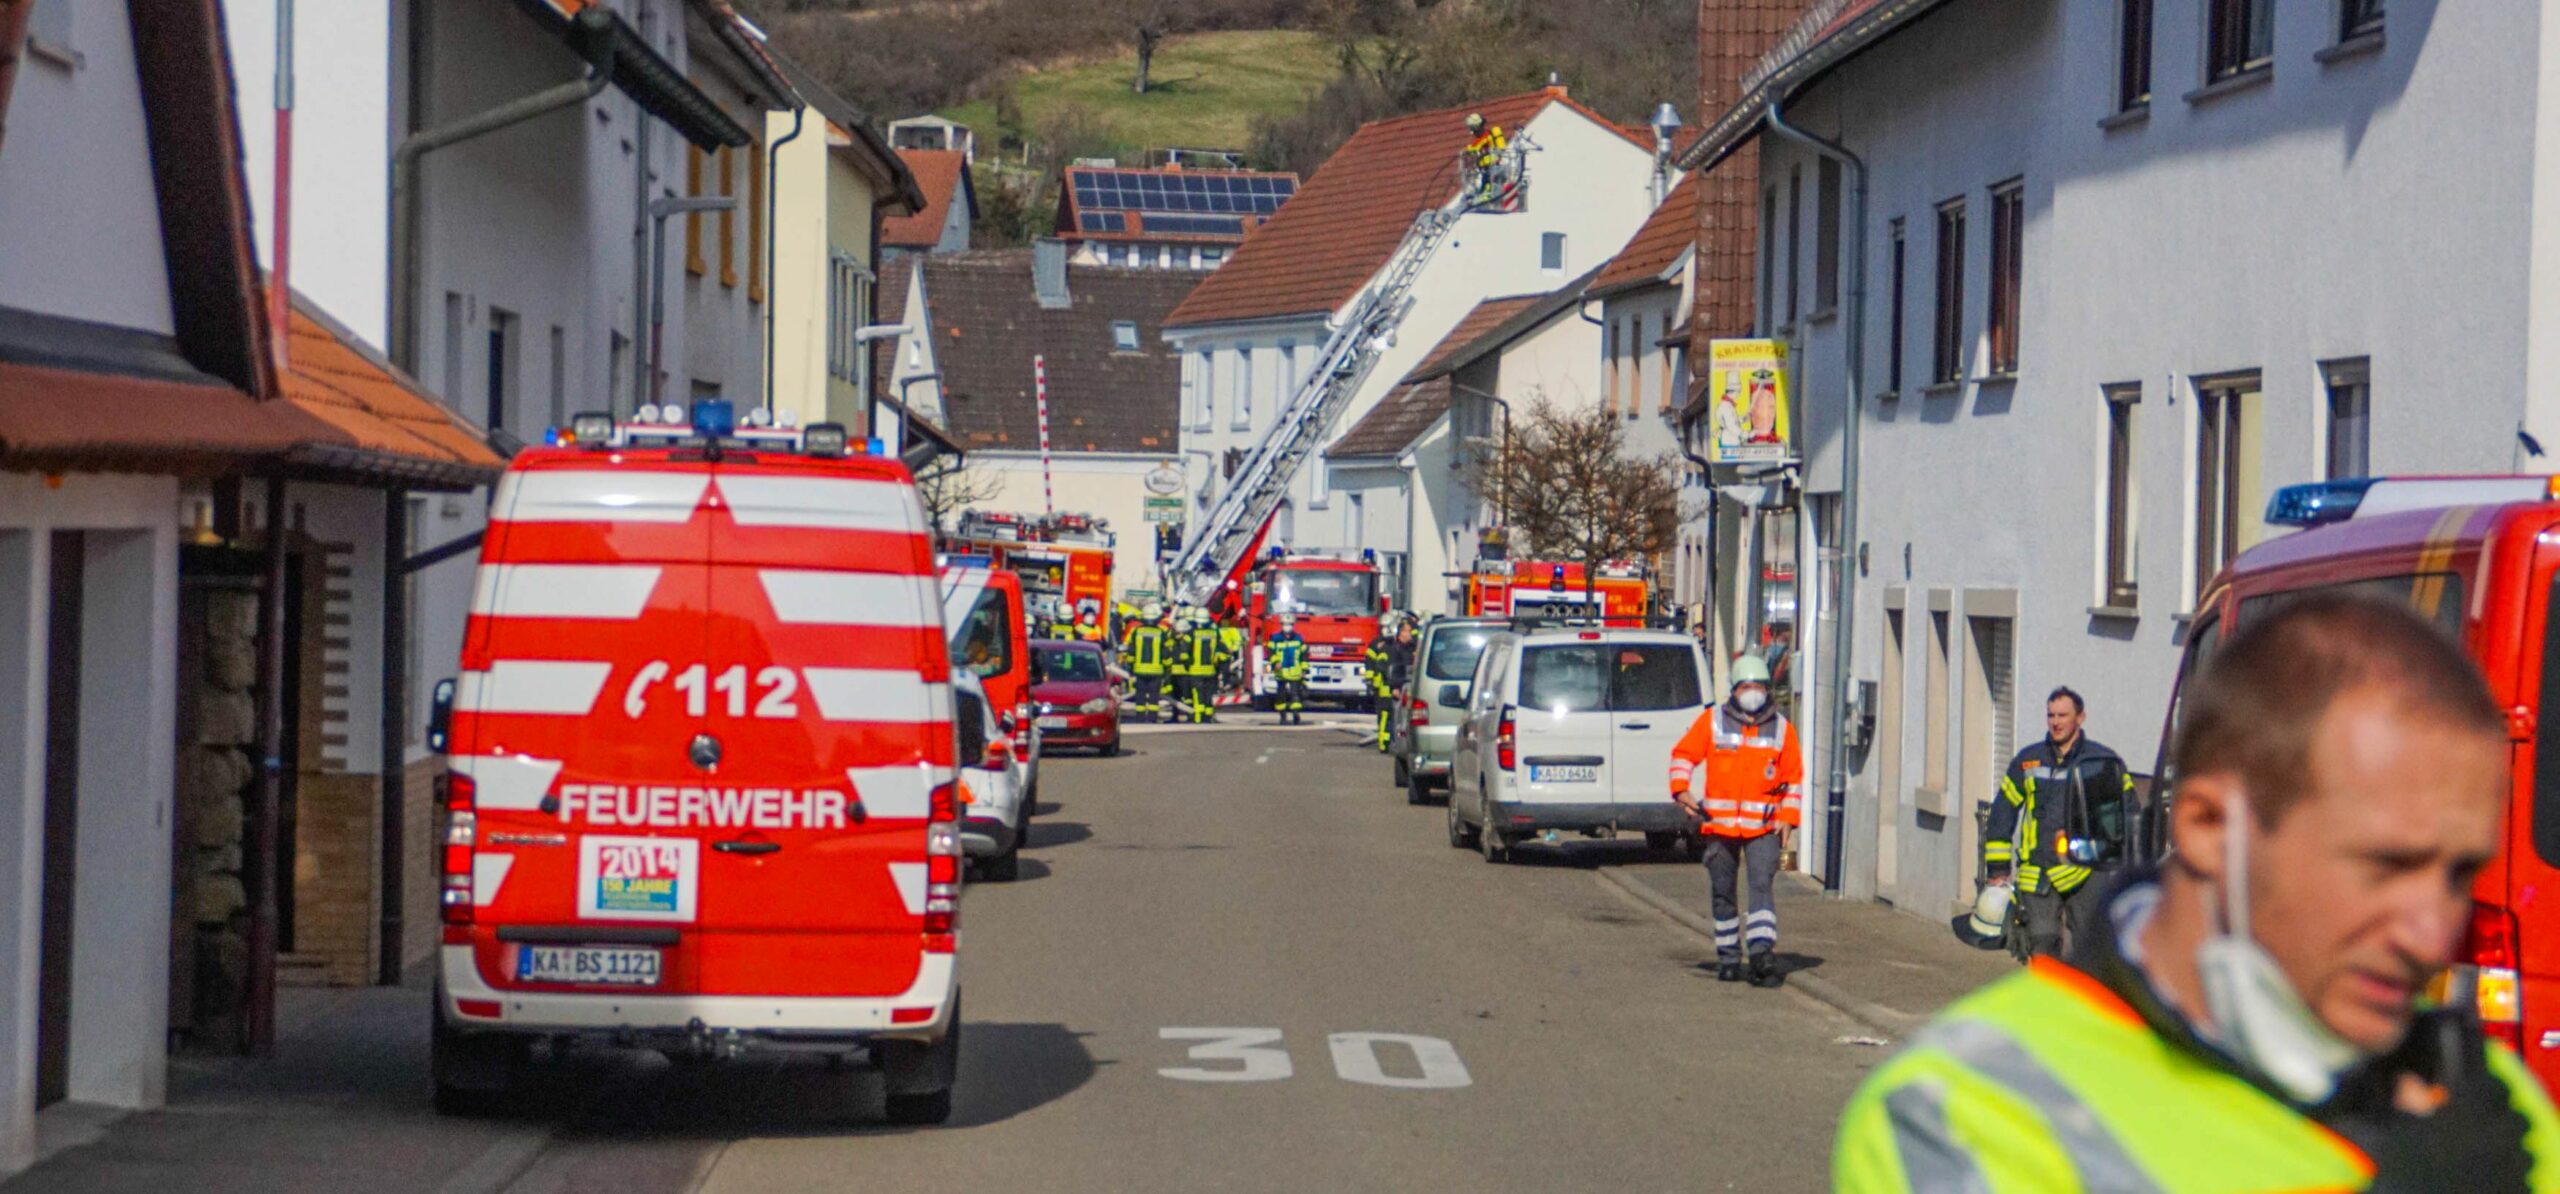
587	964
1570	773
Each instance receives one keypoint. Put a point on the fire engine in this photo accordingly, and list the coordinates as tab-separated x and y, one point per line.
1064	560
2480	558
1535	588
1337	603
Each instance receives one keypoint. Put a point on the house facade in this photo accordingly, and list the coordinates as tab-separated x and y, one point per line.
1255	327
2094	345
950	209
835	182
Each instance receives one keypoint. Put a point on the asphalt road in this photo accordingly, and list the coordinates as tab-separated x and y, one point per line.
1163	1002
1236	959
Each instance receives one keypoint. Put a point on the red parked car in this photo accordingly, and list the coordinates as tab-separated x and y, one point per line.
1071	688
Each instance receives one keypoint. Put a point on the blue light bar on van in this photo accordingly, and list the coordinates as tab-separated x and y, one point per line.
2317	502
714	418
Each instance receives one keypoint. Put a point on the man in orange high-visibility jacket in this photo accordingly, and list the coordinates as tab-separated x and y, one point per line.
1738	770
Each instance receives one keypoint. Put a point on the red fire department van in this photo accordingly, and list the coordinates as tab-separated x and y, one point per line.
1337	603
1064	560
982	607
702	795
1540	589
2480	557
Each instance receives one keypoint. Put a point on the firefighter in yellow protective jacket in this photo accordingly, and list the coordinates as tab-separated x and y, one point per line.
1197	660
2248	1014
1485	146
1149	657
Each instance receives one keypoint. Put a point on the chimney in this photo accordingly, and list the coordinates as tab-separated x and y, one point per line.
1049	273
1555	85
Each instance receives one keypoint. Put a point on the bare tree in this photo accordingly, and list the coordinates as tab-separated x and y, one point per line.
1570	491
947	489
1150	21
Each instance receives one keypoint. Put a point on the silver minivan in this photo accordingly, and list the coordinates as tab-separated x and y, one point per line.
1435	701
1570	731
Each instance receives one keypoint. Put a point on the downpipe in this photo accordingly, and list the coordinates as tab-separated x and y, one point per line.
1843	606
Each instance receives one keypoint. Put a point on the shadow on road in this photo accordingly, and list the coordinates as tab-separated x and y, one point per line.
1045	834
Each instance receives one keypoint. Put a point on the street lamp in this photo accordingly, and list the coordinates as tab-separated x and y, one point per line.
659	210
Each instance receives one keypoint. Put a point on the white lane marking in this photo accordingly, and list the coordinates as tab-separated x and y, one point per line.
508	783
612	591
488	874
893	792
533	686
1252	1049
1355	1058
599	495
910	877
806	598
877	694
822	503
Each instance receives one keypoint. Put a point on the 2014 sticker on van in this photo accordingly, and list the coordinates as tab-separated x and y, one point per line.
638	878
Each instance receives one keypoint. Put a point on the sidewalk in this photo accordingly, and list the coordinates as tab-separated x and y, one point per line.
1883	967
341	1105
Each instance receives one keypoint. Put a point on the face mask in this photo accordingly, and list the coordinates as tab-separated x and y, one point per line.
1751	700
2255	1010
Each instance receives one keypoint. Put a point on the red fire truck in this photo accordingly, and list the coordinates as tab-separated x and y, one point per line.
1337	603
1537	588
1064	560
2480	557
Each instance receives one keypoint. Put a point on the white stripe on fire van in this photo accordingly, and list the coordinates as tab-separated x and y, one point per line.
488	874
894	792
533	686
508	783
910	877
847	599
877	694
609	591
599	495
822	503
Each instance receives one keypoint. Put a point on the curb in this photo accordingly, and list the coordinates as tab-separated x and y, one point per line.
1874	1015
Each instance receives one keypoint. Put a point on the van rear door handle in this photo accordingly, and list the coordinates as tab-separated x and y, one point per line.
1635	725
747	846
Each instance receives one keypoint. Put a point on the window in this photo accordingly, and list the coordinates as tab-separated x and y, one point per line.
1895	257
984	642
1204	403
1551	251
2356	18
1319	482
2133	56
1288	387
1947	359
1244	387
2008	245
1453	653
1210	257
2124	494
560	376
1795	238
728	218
1826	236
2227	499
452	378
1768	258
502	366
2239	37
1354	521
1635	363
2350	389
693	260
755	222
1609	366
1124	336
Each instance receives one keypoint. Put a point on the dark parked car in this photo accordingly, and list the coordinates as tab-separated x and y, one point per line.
1071	691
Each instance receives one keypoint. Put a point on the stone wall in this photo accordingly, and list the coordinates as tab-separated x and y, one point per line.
215	779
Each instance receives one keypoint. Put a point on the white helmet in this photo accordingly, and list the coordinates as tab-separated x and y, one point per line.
1988	926
1154	610
1750	669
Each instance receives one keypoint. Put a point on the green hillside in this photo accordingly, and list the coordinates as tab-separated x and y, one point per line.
1206	88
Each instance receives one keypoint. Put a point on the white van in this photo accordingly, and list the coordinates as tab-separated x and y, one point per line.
1570	731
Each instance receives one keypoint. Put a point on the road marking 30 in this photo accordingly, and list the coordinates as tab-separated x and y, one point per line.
1256	1055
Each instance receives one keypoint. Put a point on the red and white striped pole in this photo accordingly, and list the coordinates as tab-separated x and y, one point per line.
1040	387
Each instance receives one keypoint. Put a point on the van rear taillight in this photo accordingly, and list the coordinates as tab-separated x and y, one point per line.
461	841
1506	741
942	872
2485	980
1421	711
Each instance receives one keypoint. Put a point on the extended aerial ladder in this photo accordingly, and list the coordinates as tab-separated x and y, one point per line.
1350	353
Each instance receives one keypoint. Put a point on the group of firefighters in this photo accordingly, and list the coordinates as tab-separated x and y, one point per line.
1177	659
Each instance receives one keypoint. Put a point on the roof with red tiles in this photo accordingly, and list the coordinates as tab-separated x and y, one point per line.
1322	245
331	376
943	176
1670	231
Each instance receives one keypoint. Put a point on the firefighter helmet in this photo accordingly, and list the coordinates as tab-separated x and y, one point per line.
1988	927
1475	122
